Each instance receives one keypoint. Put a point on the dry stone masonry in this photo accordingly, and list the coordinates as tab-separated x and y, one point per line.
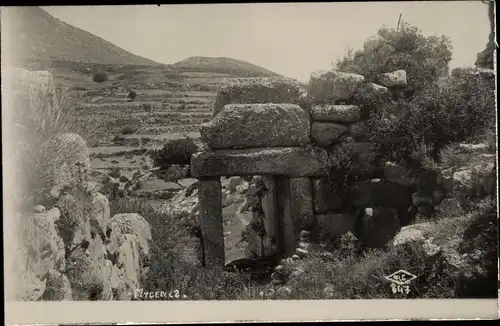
260	129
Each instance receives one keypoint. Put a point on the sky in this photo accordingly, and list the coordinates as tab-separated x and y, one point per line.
292	39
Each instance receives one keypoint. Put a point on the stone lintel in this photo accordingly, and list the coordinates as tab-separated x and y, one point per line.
282	161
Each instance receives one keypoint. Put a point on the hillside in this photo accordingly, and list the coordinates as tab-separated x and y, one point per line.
223	65
171	100
40	36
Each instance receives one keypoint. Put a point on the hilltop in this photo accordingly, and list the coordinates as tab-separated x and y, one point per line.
36	35
223	65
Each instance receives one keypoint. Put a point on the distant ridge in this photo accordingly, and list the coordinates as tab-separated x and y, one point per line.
222	64
36	35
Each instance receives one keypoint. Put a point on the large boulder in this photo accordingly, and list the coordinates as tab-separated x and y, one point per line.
475	180
129	264
74	224
479	249
256	90
257	125
393	79
36	251
100	211
336	113
330	87
290	161
87	271
463	247
58	288
135	224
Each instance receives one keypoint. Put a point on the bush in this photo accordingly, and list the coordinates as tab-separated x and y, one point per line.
175	152
38	148
128	130
131	95
175	259
100	77
424	58
437	116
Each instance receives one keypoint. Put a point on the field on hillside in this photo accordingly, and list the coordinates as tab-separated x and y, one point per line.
170	104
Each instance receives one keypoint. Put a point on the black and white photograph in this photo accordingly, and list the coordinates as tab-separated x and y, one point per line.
253	152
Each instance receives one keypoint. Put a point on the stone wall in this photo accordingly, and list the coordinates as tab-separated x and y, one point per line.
306	151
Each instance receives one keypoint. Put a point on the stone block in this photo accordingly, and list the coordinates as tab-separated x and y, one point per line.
257	125
325	134
326	196
393	79
302	202
291	161
210	201
358	131
330	87
336	113
256	90
287	220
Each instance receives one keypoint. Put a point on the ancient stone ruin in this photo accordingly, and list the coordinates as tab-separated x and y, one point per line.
303	153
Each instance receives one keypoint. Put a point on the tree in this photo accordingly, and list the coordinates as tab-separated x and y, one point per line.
131	95
175	152
425	59
100	77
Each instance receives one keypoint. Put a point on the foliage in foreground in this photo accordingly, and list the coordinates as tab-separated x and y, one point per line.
341	273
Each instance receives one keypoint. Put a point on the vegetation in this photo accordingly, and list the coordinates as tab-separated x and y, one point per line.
342	273
100	77
175	152
423	58
429	116
131	95
39	149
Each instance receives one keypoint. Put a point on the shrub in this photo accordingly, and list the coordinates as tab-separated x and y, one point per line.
175	260
177	152
115	173
424	58
131	95
100	77
38	149
434	118
128	130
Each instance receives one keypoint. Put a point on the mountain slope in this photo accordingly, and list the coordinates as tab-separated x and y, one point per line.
223	65
35	34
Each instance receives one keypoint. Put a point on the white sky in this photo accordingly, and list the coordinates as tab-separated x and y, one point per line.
291	39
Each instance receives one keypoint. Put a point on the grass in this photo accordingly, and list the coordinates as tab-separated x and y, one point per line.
341	273
40	150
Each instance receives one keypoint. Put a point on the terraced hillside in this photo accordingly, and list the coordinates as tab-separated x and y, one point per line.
171	103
